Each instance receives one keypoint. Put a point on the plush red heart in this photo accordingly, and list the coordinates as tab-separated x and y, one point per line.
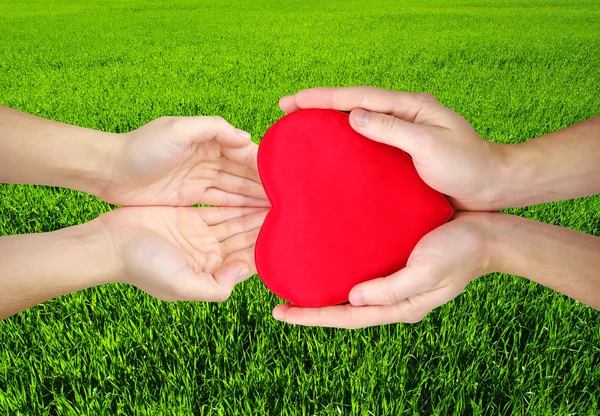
345	209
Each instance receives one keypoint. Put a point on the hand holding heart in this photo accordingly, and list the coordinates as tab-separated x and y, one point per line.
442	264
448	258
438	139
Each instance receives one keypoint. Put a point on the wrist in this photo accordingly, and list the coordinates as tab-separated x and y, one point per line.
522	179
480	240
503	170
502	226
91	167
90	247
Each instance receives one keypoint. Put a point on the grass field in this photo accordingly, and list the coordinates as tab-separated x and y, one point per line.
515	69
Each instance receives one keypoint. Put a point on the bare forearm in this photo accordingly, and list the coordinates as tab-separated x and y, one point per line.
38	267
564	260
558	166
34	150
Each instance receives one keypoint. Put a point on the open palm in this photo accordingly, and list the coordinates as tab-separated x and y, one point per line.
184	253
181	161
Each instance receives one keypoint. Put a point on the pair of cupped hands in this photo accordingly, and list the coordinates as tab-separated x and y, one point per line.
174	251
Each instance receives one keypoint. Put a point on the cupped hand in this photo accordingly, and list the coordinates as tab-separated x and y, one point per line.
181	161
183	253
442	264
448	154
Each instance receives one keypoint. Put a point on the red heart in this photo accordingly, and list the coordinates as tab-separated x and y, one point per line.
345	209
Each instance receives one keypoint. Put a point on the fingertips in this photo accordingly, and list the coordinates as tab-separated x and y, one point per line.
279	312
287	104
360	117
226	134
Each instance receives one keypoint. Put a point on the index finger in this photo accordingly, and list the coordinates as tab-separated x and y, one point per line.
409	311
346	316
408	106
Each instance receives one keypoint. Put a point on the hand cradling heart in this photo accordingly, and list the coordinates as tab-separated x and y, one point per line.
345	209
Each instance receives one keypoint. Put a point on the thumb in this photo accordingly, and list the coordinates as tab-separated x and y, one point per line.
204	128
390	290
232	273
388	129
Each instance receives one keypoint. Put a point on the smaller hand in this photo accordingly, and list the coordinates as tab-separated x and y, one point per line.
442	264
183	253
182	161
448	154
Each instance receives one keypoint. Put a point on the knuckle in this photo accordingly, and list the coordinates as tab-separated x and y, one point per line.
388	123
427	97
218	120
244	187
175	125
391	297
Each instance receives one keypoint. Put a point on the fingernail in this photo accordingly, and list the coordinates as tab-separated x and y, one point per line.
242	275
243	133
357	298
361	117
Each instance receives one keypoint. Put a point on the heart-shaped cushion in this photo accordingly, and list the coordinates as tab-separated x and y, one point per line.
345	209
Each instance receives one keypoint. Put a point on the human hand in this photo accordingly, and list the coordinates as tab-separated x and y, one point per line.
447	152
181	161
442	264
183	253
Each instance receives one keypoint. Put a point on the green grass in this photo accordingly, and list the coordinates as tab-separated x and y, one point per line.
514	69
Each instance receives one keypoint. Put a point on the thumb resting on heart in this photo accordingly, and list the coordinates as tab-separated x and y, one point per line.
388	129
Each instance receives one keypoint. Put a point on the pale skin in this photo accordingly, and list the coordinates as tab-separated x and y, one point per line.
174	161
167	248
171	253
558	166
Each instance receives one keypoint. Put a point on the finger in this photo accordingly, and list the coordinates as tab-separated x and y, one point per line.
218	215
404	105
239	185
246	156
200	287
287	104
218	197
239	242
235	226
392	289
343	316
232	273
390	130
205	128
246	256
241	170
353	317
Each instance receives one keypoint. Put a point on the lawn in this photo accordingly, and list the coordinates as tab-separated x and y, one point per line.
515	69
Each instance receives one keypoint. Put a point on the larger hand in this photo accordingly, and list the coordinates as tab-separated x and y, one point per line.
440	267
448	154
181	161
